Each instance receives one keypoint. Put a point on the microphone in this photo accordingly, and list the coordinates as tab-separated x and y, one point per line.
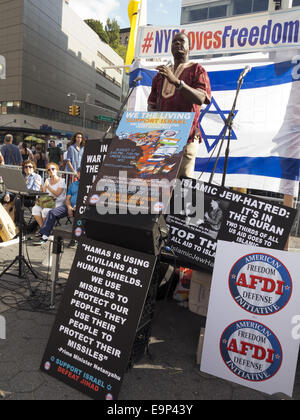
138	79
244	72
169	63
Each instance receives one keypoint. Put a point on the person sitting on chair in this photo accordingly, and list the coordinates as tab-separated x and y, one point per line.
33	182
65	210
55	186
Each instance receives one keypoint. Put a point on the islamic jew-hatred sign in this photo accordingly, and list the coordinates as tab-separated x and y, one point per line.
142	163
91	340
228	215
249	336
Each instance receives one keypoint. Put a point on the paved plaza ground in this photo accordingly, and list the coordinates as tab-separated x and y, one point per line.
169	372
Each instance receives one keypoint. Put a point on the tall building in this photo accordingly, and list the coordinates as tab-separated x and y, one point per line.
52	60
124	36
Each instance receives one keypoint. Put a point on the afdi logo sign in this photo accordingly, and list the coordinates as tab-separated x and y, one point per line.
2	328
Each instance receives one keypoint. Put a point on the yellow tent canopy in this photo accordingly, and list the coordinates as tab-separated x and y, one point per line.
35	139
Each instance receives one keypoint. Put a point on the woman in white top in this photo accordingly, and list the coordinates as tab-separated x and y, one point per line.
56	188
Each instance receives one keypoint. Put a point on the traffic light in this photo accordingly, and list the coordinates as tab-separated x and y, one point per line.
74	110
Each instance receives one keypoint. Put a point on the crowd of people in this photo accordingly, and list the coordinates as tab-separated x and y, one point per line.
59	202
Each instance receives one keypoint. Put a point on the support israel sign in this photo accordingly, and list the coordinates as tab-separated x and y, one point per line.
250	331
241	34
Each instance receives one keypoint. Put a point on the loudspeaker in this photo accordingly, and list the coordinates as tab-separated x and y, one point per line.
145	233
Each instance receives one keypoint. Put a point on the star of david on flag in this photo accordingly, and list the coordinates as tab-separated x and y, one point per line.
214	110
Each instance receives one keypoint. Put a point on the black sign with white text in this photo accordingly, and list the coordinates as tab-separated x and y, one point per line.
229	216
92	337
94	154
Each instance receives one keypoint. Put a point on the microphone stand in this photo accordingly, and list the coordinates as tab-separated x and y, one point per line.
20	259
228	127
118	116
160	93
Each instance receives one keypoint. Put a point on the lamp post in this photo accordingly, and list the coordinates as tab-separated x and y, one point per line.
85	103
72	94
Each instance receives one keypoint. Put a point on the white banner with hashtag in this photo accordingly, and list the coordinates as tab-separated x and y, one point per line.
239	34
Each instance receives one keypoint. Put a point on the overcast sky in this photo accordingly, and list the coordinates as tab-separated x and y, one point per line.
160	12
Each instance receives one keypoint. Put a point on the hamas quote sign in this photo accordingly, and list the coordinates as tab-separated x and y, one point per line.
92	337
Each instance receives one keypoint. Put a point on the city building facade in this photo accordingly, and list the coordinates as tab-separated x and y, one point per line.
193	11
52	59
124	36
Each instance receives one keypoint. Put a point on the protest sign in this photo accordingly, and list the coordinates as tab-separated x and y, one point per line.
92	337
254	298
92	159
142	163
228	215
236	34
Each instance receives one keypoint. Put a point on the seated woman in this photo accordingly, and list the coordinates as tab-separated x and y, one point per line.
33	182
66	209
56	188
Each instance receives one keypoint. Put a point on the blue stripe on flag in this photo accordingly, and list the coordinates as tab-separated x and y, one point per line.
272	166
147	76
261	76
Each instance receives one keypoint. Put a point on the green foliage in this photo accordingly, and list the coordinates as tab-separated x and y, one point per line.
110	34
97	27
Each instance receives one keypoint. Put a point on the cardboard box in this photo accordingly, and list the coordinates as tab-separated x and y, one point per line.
200	292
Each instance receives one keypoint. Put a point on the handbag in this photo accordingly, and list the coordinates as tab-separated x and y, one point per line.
46	202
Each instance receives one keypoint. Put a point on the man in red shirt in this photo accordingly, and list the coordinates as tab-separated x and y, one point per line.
183	87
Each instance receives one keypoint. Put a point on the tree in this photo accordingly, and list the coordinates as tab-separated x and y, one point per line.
97	27
113	31
110	34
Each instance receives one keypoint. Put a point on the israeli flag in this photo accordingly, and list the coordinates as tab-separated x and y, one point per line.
265	138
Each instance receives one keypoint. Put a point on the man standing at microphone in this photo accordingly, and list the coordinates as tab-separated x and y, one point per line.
183	87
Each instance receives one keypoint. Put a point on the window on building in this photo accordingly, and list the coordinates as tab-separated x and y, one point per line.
260	5
107	92
197	15
241	7
296	3
217	12
225	8
107	61
208	13
205	12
